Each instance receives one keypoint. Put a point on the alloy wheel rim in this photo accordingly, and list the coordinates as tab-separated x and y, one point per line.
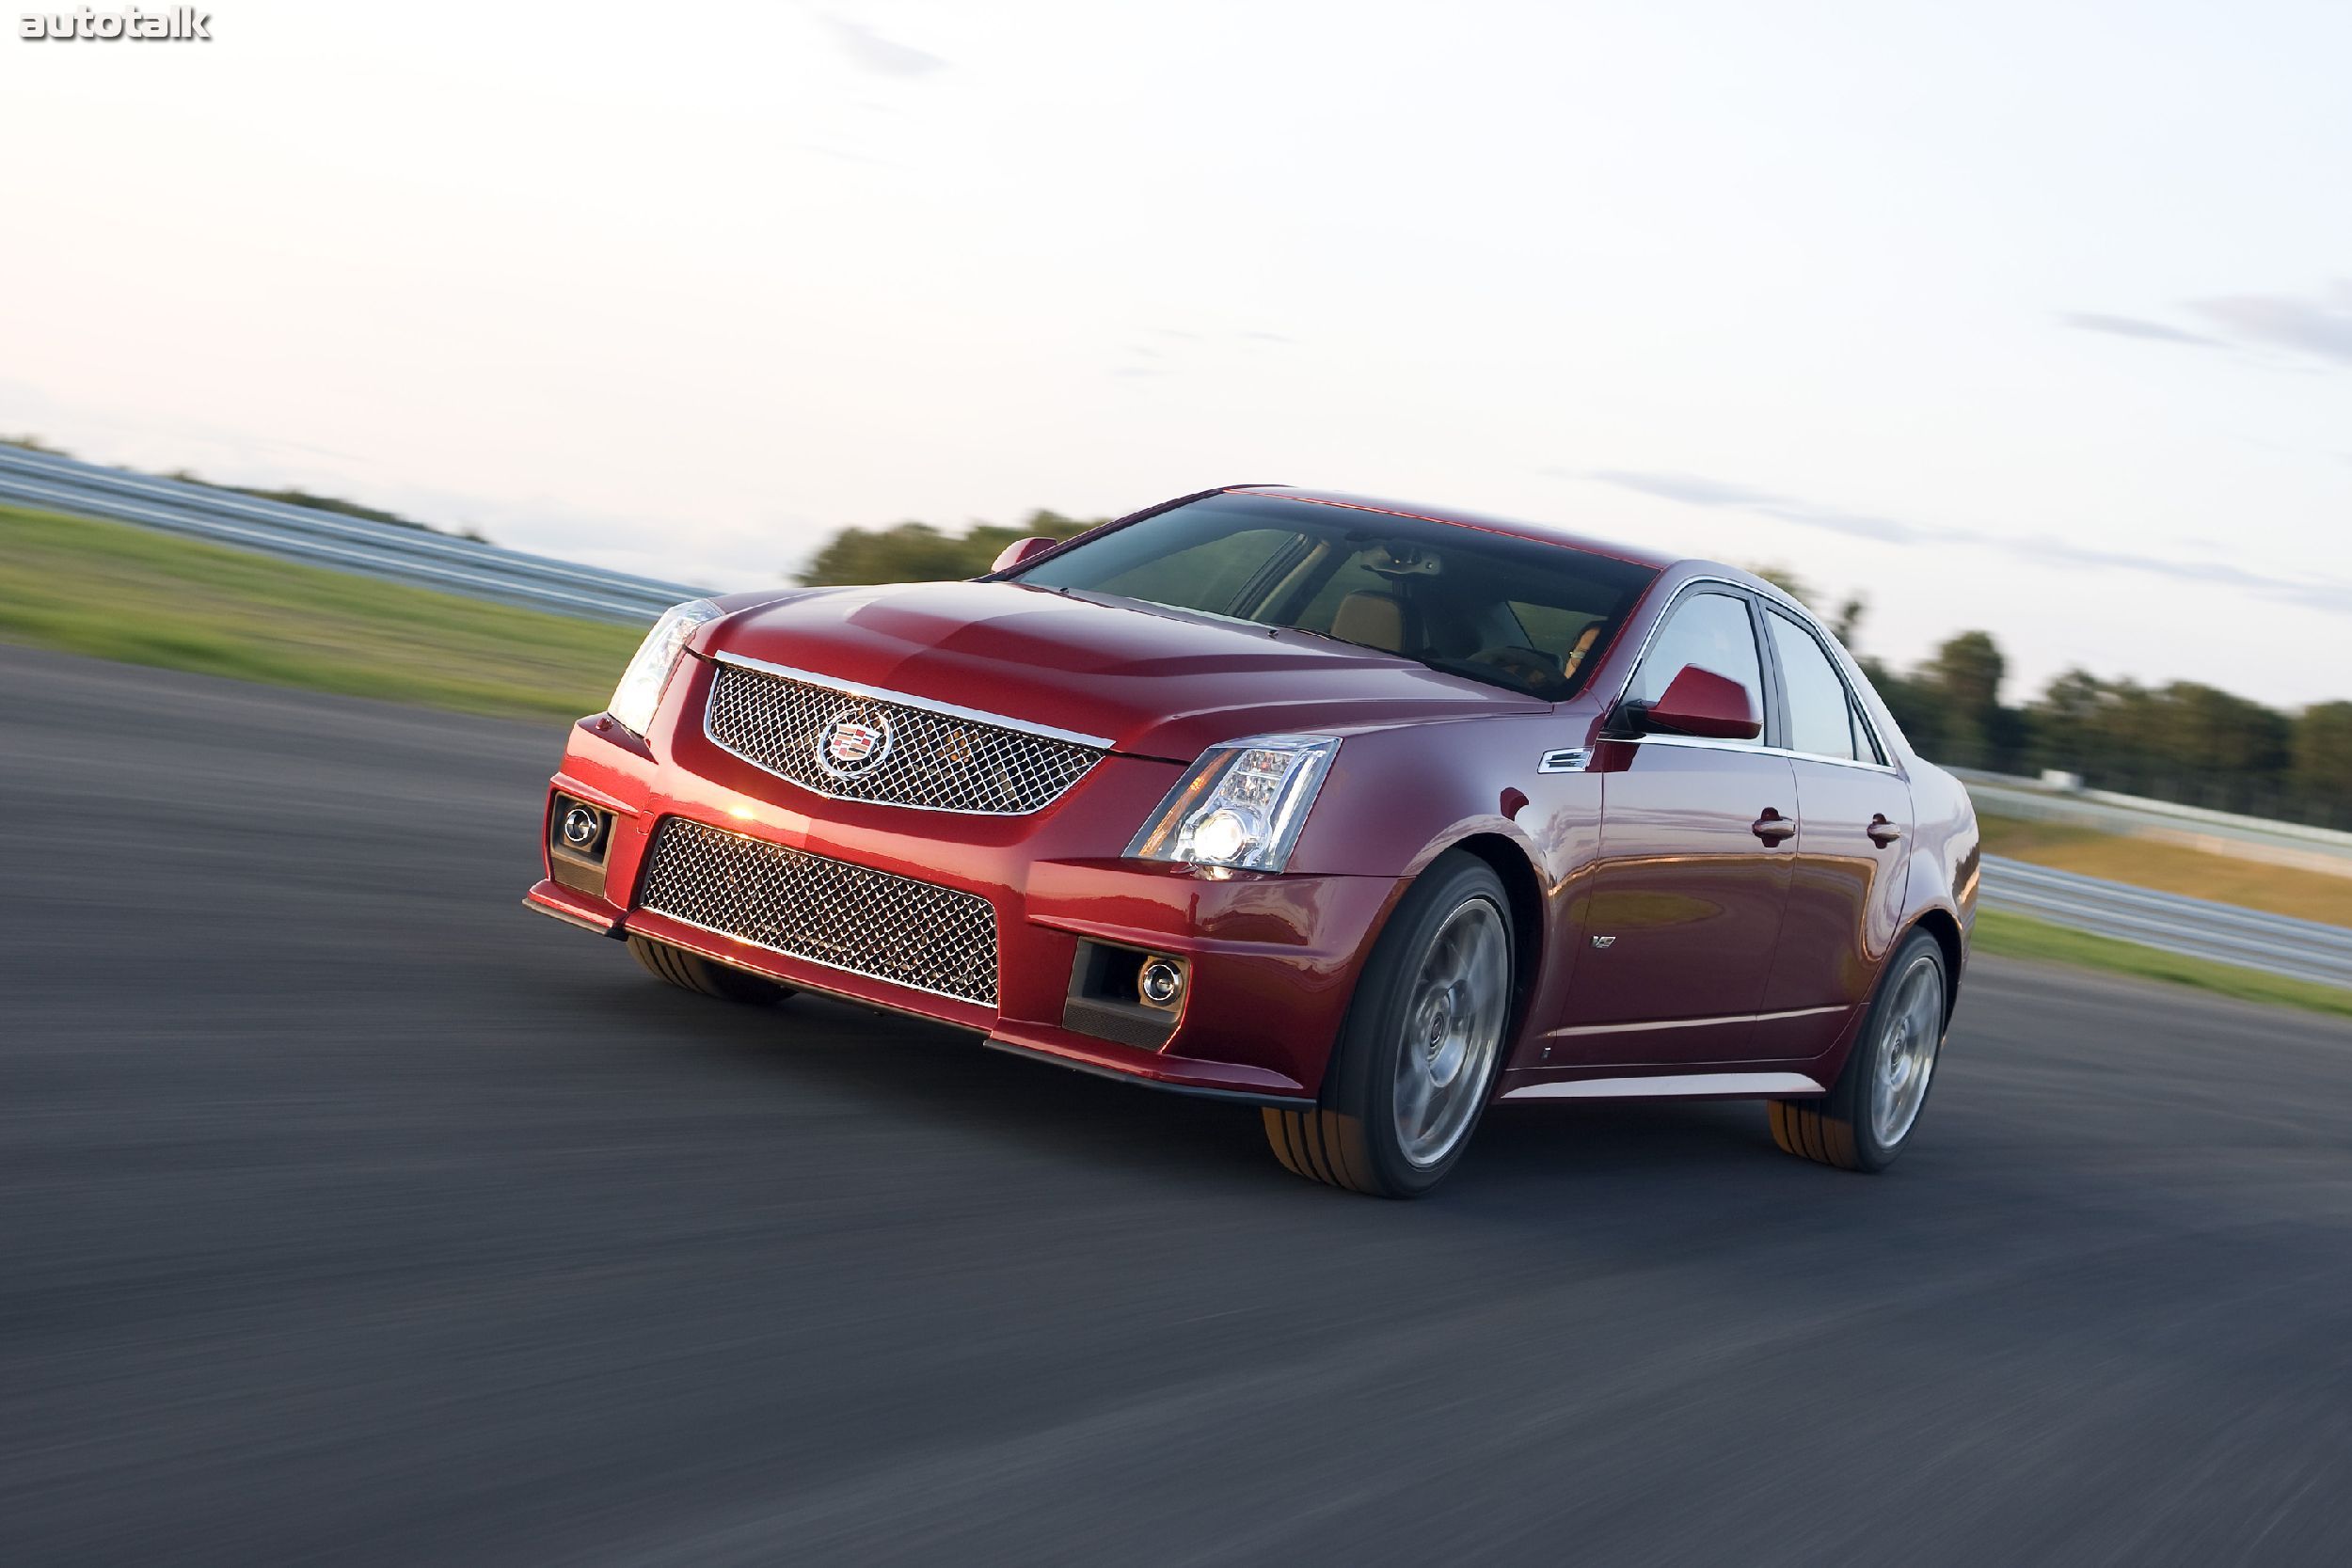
1454	1021
1906	1055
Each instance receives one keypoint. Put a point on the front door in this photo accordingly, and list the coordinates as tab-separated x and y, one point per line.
1681	912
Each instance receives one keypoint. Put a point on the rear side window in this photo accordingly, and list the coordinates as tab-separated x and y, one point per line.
1713	632
1821	718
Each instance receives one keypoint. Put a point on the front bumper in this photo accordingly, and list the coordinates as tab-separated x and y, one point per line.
1272	959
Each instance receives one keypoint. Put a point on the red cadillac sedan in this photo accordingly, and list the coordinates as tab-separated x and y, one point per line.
1363	813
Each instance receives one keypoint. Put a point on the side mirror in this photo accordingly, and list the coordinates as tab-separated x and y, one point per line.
1021	551
1701	703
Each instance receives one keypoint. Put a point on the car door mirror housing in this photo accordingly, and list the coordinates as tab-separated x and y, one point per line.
1701	704
1021	551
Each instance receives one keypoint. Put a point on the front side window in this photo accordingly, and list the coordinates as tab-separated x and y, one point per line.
1713	632
1821	718
1512	613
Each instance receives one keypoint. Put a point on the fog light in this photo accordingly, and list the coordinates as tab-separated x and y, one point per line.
581	828
1161	982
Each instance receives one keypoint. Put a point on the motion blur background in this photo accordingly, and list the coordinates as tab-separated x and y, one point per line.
2028	319
354	1219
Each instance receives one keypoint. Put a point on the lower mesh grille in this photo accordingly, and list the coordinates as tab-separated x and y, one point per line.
867	921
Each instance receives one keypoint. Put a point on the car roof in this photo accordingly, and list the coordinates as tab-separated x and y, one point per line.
1540	532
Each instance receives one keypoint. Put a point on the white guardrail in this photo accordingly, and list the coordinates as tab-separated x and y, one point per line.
2254	838
2223	932
410	555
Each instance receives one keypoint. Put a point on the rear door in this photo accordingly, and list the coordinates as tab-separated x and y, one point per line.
1683	909
1854	826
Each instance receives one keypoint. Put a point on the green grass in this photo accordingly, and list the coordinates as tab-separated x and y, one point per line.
112	590
2023	937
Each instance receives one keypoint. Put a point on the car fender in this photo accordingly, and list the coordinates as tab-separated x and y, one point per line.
1396	799
1946	858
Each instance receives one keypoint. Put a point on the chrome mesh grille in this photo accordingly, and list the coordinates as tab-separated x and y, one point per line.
939	761
850	917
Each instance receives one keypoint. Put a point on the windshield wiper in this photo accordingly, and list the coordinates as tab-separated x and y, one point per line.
1486	674
1328	637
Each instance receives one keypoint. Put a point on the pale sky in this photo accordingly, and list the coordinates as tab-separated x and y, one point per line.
2035	317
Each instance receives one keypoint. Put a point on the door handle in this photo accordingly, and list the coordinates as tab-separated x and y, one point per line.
1772	827
1881	831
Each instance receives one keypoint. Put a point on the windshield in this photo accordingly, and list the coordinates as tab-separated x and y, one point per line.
1512	613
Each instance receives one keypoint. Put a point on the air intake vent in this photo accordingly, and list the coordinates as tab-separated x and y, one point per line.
850	917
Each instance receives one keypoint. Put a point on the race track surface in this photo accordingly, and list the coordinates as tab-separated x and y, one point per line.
352	1214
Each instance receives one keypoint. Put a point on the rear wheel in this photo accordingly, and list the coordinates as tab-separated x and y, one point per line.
1417	1057
694	972
1870	1112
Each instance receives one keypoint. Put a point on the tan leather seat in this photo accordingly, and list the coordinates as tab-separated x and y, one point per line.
1376	620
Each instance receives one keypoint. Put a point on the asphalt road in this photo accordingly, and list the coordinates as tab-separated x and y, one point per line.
350	1214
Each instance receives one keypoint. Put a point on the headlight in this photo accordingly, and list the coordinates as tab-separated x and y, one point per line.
639	696
1241	805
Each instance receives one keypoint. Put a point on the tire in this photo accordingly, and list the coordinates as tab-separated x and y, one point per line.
1869	1114
1416	1059
694	972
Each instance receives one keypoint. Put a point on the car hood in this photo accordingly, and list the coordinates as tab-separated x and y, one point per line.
1154	682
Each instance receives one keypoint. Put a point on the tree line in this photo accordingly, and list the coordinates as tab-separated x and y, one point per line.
2181	741
917	552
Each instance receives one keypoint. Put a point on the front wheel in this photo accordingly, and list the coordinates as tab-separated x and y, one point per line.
1417	1057
1869	1114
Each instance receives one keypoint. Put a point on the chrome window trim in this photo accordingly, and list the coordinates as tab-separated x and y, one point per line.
1837	668
1702	743
1774	599
883	693
1641	655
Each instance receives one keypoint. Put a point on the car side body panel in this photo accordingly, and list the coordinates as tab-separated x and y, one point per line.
1684	907
1845	903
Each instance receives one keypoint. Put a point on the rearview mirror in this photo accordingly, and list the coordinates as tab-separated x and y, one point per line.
1701	703
1021	551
